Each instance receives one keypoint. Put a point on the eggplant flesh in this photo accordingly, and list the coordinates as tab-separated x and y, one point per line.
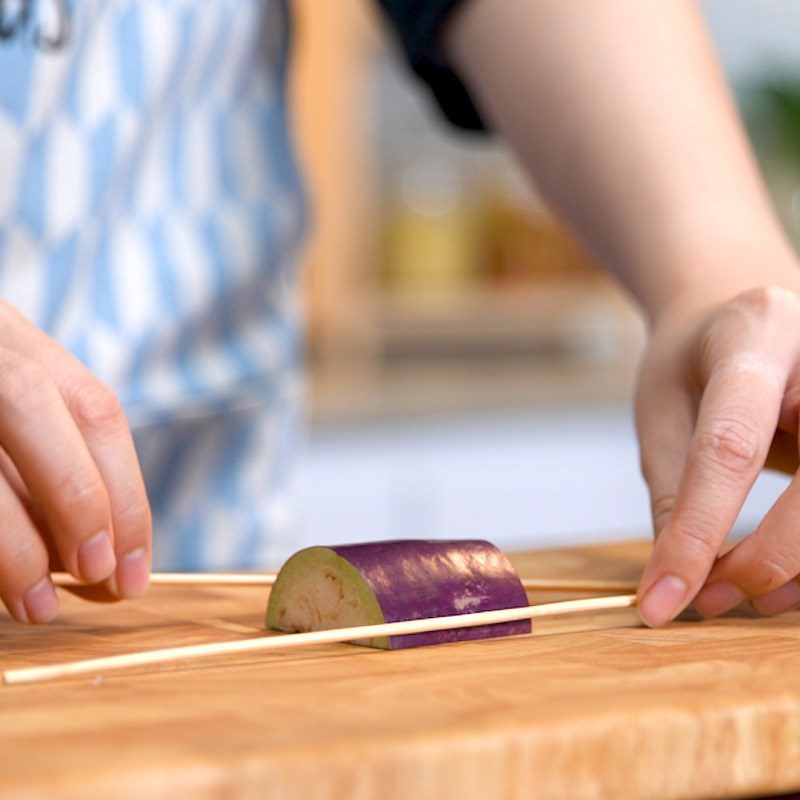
340	586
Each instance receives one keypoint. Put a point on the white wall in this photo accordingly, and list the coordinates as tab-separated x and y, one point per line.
754	35
520	480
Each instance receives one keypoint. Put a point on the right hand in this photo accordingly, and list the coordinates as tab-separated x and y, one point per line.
718	399
71	491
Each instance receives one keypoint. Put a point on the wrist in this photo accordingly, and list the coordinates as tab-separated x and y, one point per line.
708	275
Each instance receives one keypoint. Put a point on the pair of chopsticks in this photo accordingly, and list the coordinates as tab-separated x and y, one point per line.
281	641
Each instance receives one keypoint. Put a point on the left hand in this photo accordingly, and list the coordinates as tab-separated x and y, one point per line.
718	399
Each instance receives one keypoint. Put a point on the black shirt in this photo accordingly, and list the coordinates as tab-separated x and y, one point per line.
417	23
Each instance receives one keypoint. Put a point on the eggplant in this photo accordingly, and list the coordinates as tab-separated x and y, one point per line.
361	584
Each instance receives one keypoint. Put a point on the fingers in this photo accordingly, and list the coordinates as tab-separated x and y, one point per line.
100	420
14	480
762	566
664	422
102	424
736	421
53	460
25	585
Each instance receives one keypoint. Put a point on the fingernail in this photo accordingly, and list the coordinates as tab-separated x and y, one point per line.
717	598
40	601
662	601
133	574
779	600
96	558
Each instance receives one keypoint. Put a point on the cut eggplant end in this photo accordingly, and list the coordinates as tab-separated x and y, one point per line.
316	590
370	583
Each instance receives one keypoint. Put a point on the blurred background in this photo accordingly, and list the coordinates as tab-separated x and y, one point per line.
470	369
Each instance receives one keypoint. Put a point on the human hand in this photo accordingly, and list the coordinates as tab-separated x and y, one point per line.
718	398
71	491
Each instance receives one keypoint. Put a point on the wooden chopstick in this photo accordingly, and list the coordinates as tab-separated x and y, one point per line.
267	579
567	585
281	641
187	579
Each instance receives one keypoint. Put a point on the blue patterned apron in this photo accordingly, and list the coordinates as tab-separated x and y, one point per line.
151	215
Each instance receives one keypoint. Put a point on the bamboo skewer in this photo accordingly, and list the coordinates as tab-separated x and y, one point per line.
67	581
290	640
567	585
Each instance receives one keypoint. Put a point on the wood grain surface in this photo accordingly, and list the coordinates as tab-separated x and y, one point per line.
585	708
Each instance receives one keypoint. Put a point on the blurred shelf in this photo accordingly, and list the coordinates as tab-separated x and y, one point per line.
582	318
435	343
476	350
428	389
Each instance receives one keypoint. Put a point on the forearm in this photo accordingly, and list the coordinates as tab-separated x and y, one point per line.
618	110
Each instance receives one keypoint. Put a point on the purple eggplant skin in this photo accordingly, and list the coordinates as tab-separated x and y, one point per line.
416	578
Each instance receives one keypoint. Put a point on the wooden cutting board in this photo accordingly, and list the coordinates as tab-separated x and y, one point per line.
586	708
